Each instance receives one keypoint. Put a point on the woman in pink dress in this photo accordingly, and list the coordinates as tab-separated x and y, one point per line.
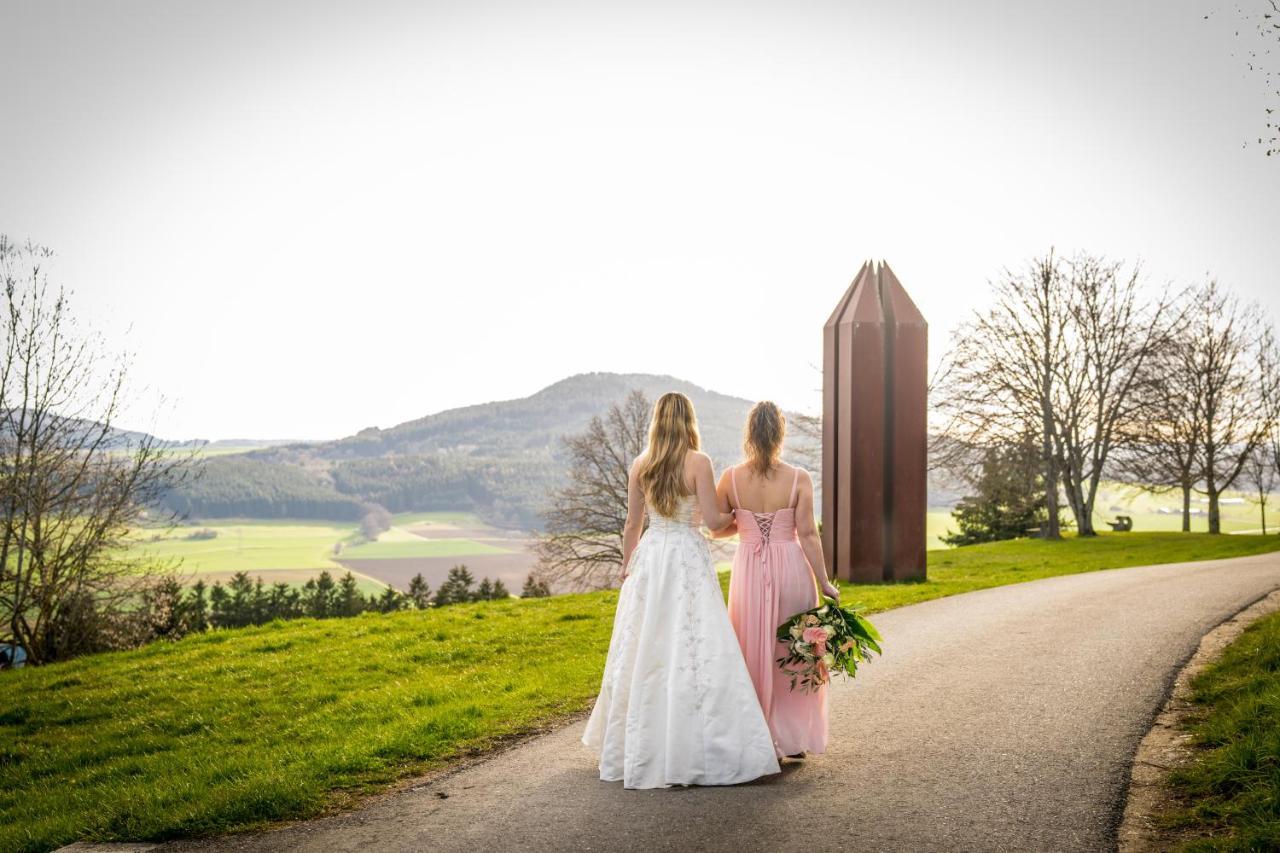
777	572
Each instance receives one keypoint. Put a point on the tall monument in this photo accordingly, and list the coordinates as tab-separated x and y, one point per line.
874	431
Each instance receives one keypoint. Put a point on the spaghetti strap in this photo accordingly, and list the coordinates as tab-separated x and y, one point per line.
795	481
733	482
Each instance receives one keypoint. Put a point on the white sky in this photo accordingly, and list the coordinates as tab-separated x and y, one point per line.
308	218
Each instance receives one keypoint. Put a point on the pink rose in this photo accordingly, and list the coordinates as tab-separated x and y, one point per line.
814	635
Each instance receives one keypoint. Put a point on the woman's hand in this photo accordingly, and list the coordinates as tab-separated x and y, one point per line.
830	590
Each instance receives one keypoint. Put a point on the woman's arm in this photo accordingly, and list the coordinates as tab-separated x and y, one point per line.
634	524
704	486
810	542
722	498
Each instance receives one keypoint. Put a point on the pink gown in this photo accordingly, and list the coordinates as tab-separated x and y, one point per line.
771	582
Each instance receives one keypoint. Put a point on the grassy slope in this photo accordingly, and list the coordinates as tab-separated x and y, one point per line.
1232	789
237	728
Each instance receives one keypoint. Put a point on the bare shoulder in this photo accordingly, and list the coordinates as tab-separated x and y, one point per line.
796	471
697	460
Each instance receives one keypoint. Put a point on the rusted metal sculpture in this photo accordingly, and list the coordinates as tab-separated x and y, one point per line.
874	380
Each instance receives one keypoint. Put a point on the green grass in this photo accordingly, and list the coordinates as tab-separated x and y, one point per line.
1239	513
402	548
235	729
1231	790
246	546
956	570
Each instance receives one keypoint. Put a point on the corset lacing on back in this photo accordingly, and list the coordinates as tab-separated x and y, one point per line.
765	527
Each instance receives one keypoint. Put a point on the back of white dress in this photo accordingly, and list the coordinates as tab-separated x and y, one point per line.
676	704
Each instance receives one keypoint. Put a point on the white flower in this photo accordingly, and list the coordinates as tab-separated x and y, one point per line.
829	630
829	659
796	631
822	610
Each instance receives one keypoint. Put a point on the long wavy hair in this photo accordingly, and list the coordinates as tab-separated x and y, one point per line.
673	432
762	439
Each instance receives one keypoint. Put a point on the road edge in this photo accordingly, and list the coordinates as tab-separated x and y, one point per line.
1167	744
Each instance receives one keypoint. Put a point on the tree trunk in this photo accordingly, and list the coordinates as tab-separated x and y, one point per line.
1215	518
1186	507
1052	528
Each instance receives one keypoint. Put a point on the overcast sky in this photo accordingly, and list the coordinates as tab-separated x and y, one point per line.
307	218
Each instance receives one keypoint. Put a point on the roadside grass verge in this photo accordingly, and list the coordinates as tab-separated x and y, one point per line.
1231	790
238	728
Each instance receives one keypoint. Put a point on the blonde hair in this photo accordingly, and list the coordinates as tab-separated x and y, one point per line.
673	432
762	438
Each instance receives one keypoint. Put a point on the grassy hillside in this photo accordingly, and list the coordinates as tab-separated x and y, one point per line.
233	729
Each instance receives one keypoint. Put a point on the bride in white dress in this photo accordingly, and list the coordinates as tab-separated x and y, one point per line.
676	704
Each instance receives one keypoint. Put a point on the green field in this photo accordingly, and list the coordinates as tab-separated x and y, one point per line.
234	729
250	545
1231	790
245	545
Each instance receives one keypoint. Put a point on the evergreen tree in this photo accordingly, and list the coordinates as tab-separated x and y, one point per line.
1010	499
350	601
484	592
240	611
198	606
390	601
258	606
319	596
219	606
420	592
283	602
457	587
499	592
534	588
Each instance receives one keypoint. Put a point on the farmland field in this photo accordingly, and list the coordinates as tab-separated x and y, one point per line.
293	551
243	545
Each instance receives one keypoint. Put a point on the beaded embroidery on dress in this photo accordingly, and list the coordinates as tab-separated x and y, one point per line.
676	704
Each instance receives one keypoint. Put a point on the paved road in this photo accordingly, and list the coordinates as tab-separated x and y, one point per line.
1005	719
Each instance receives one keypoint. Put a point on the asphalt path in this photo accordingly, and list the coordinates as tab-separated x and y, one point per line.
1005	719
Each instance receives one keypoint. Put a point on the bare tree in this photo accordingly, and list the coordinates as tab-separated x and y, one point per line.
1264	472
1260	476
1000	381
1115	334
806	446
582	546
1260	49
72	484
1163	449
1227	350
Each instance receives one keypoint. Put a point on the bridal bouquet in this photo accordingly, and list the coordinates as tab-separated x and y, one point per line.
829	638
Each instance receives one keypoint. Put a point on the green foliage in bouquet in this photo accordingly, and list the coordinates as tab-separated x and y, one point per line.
829	638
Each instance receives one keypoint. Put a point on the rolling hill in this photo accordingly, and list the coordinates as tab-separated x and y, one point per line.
500	459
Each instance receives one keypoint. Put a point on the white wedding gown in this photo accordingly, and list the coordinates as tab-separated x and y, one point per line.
676	704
